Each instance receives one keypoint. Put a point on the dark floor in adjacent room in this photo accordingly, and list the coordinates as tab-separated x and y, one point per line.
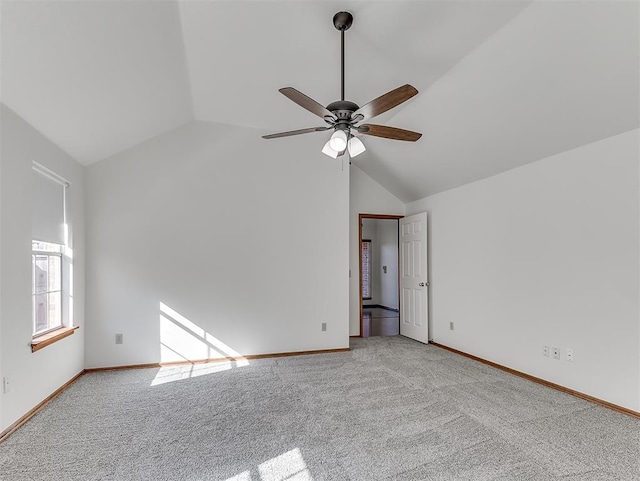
377	321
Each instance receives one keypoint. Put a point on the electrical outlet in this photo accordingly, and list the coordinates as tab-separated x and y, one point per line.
6	385
451	326
384	269
556	353
324	326
545	351
569	354
119	339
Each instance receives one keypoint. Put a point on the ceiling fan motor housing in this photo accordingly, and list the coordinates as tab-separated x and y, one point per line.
342	109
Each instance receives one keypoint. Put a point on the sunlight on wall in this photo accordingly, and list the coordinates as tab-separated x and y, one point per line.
181	340
289	466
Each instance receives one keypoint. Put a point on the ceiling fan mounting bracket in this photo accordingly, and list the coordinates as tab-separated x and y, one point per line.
342	21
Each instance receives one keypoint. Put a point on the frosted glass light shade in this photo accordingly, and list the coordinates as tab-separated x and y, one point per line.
338	140
327	150
355	146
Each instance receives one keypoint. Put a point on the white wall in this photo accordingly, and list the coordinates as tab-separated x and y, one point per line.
1	270
388	249
242	239
366	196
33	376
545	254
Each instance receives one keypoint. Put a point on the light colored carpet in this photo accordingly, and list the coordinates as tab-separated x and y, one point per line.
391	409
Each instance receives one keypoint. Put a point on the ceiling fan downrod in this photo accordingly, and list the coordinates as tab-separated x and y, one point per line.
342	65
342	21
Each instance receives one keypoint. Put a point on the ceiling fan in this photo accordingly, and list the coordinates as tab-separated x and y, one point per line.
344	117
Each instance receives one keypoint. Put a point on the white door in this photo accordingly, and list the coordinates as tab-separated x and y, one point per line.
413	277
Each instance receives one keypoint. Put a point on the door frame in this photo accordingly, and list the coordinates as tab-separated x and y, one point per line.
372	216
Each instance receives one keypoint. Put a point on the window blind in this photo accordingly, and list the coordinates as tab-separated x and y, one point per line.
48	206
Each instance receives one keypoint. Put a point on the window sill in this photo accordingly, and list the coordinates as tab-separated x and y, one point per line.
49	338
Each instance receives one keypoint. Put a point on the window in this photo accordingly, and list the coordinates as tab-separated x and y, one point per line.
47	286
52	260
365	275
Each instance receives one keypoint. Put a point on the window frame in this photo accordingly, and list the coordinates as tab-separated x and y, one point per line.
369	268
55	251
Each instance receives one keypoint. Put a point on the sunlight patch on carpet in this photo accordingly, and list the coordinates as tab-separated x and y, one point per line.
289	466
178	373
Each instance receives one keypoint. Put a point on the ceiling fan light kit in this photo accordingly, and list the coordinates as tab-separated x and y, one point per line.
338	141
355	147
343	116
327	150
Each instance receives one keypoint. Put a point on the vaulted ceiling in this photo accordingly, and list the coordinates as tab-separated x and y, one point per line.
501	83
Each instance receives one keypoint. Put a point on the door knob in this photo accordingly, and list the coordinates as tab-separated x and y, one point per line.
421	284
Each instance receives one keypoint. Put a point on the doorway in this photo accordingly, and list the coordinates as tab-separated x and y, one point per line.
379	275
